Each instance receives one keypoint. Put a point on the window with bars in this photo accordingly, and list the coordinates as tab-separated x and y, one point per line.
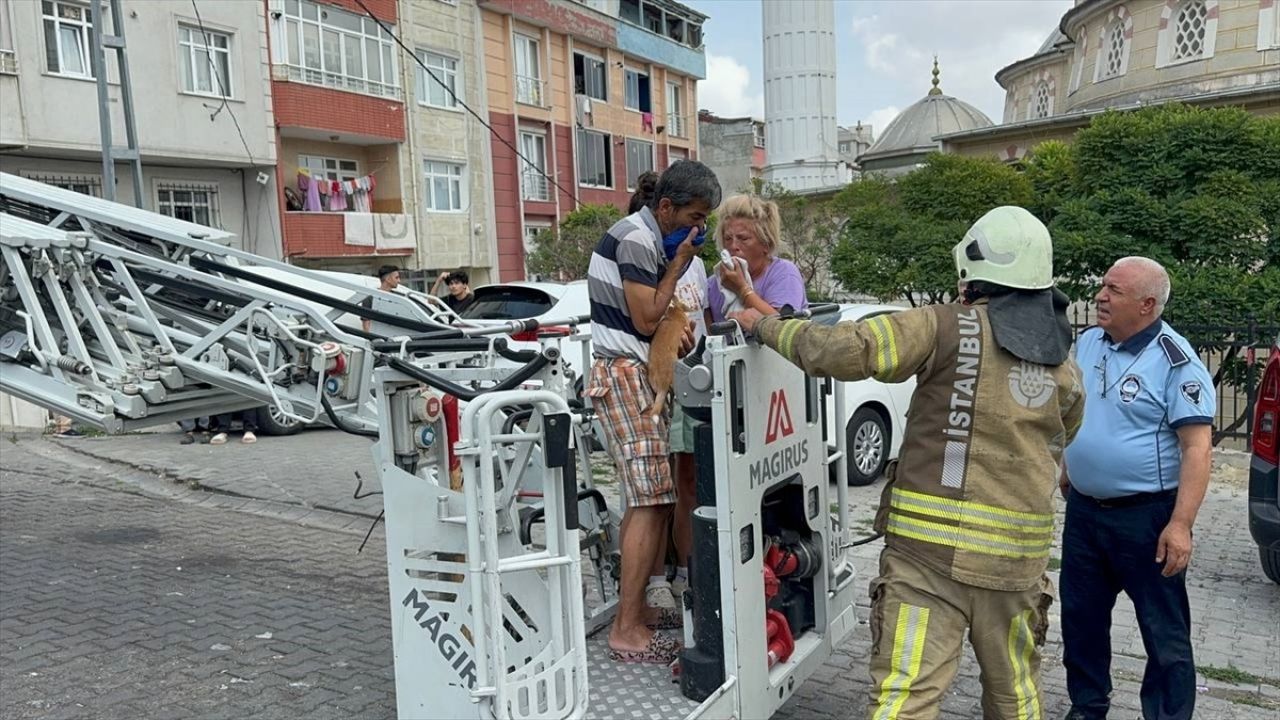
195	203
1041	107
330	168
66	38
1116	46
595	159
324	45
1188	31
445	190
441	91
83	184
204	61
528	71
533	180
639	160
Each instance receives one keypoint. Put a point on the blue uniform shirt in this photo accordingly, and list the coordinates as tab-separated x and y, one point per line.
1137	394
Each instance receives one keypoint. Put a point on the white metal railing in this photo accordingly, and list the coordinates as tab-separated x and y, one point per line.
338	81
8	62
529	90
676	125
534	186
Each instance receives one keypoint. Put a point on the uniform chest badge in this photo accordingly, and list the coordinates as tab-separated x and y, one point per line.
1030	384
1130	386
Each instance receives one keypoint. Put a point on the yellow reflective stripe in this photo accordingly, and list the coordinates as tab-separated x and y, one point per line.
908	650
884	343
787	336
968	511
892	365
965	539
1021	649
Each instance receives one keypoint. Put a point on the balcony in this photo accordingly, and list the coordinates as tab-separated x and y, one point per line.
322	112
530	91
339	234
677	126
336	81
534	186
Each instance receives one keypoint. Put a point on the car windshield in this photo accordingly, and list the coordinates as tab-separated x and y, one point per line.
507	302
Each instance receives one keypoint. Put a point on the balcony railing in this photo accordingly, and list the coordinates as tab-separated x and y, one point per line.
530	90
8	62
676	125
337	81
534	186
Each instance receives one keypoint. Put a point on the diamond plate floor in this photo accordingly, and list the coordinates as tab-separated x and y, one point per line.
631	691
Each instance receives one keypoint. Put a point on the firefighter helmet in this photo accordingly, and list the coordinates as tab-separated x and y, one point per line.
1007	246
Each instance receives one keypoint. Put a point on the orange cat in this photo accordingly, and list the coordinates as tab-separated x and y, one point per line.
663	353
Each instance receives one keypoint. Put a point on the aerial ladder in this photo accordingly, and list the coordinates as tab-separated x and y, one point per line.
501	555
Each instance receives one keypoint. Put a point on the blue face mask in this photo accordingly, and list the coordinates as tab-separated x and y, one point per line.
673	239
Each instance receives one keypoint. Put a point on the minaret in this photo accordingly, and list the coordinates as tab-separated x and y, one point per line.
800	94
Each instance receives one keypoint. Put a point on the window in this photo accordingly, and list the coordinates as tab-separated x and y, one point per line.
639	160
66	38
1115	48
533	181
204	61
83	184
445	189
8	59
194	203
528	71
637	91
324	45
757	135
330	168
1268	27
589	77
675	155
629	10
595	159
1189	31
1041	101
442	90
675	110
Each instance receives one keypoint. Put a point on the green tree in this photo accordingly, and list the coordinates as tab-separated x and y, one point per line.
897	235
810	227
564	253
1197	189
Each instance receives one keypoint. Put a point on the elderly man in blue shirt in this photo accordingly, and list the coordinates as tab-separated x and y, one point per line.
1134	478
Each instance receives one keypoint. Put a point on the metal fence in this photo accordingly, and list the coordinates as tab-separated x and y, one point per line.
1235	356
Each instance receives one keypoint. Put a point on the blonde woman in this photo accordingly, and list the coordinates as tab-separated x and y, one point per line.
749	228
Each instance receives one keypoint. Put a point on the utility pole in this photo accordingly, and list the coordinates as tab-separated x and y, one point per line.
110	153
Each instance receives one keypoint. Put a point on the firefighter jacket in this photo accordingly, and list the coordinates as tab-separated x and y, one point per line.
972	492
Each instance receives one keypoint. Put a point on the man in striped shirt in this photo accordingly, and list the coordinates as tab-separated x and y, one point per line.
632	278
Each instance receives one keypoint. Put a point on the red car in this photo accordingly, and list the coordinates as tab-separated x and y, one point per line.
1264	481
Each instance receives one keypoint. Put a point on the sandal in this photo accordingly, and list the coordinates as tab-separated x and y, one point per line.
661	650
667	619
219	439
187	439
249	438
204	438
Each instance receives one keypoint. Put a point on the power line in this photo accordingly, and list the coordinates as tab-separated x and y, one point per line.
458	100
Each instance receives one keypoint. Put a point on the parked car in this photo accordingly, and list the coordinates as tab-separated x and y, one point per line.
1264	480
541	300
875	413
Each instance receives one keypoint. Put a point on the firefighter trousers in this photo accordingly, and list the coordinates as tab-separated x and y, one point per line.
919	618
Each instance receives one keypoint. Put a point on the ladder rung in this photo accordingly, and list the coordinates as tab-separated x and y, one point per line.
124	153
532	561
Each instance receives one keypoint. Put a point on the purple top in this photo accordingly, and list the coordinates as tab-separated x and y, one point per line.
781	284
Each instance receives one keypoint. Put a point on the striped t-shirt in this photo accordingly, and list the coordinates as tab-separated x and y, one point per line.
630	250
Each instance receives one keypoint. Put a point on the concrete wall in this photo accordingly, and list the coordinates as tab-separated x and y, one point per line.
729	149
450	240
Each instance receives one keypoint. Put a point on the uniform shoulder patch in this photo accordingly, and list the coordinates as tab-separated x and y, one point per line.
1177	356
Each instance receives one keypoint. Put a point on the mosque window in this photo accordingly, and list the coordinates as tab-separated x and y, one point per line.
1189	30
1041	101
1115	50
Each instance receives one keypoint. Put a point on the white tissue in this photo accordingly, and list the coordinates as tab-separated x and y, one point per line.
732	303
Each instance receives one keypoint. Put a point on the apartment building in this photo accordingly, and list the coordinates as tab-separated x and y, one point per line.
734	149
194	79
592	93
337	84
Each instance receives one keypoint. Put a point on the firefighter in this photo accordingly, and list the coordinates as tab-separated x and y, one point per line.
967	510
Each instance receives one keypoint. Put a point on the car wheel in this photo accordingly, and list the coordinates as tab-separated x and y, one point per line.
272	422
867	445
1270	558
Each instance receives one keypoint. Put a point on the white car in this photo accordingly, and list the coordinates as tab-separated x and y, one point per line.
875	413
544	301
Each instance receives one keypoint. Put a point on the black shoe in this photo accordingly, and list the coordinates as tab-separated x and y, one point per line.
70	433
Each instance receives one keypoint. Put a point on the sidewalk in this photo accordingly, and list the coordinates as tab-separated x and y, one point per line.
1235	609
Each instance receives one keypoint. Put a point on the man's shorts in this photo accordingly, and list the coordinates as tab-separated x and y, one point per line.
619	390
682	430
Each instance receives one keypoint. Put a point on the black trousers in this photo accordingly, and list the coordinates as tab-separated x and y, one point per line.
1107	548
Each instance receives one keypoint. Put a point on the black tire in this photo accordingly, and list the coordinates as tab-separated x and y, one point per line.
867	445
270	423
1270	558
